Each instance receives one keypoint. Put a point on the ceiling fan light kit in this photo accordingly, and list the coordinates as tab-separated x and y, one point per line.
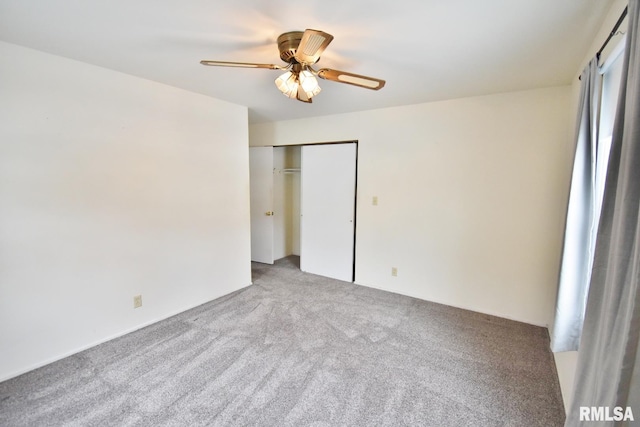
309	83
298	84
301	50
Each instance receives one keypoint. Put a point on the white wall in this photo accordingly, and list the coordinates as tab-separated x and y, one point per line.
279	204
471	196
294	157
111	186
286	202
566	361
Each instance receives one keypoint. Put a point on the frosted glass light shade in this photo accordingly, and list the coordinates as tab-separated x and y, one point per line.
309	83
288	84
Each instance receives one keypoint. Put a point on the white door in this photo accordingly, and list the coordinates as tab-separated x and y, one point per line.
261	188
328	191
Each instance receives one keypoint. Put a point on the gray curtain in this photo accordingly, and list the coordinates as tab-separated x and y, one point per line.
608	372
579	237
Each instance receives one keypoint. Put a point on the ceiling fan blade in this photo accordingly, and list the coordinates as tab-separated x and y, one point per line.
241	65
313	43
350	78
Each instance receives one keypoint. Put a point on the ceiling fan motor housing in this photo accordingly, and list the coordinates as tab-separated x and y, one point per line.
288	45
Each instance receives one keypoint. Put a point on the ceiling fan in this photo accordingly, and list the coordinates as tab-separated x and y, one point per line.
301	50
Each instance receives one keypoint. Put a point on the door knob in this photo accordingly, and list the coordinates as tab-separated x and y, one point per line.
269	213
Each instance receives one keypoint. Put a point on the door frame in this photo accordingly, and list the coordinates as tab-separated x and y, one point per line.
355	201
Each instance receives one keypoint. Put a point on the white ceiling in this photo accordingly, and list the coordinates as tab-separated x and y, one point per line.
426	50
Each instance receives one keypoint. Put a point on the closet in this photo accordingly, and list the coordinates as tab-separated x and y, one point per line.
286	201
303	201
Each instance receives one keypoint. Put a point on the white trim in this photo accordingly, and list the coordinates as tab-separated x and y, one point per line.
104	340
463	307
617	51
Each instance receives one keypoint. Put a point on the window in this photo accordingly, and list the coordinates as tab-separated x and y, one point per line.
611	75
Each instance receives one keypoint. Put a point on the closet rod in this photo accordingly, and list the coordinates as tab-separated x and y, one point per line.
290	170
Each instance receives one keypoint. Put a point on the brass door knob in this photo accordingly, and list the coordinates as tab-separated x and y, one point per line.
269	213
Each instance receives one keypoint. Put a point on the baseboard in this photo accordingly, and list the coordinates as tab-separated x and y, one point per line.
501	315
109	338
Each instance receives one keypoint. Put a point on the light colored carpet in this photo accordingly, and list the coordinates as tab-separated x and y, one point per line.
296	349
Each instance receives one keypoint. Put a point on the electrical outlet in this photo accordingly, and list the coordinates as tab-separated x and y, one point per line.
394	271
374	201
137	301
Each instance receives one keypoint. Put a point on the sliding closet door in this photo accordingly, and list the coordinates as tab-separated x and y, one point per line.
328	191
261	190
